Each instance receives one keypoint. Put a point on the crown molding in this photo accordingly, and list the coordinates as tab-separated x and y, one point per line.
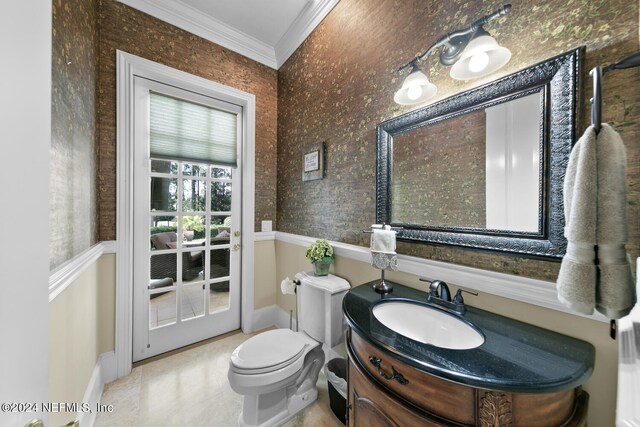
310	17
178	13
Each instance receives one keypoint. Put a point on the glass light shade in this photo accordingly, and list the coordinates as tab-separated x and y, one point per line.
416	88
483	55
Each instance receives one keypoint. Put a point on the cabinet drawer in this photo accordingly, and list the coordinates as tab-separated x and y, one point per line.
418	388
371	406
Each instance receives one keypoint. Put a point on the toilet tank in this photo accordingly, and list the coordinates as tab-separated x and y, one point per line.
320	307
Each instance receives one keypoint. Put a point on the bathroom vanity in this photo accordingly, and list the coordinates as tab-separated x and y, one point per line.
519	374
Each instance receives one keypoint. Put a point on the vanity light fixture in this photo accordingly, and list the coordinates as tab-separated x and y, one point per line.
471	52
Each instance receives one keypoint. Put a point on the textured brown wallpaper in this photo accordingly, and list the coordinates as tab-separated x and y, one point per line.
129	30
340	83
72	184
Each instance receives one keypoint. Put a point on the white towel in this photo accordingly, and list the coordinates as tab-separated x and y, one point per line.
615	293
383	240
595	214
577	277
383	248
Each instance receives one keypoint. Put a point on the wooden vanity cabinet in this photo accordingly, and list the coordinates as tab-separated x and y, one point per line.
383	391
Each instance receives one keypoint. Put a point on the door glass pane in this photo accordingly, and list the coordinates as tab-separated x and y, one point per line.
162	309
163	266
220	196
194	192
194	170
192	266
192	301
193	230
220	223
165	229
164	166
219	263
219	296
217	172
164	193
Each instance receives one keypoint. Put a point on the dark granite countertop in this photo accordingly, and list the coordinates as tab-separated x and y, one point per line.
515	356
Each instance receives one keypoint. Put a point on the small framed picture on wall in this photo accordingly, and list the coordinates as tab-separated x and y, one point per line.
313	162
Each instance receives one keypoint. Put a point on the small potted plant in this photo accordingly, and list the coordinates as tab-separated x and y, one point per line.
321	256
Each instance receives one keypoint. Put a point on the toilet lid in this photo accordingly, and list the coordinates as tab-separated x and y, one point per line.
268	351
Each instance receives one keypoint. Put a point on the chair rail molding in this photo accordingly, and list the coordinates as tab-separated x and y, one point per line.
129	66
61	277
261	236
531	291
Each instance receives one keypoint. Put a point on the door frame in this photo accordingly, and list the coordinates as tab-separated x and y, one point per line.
127	67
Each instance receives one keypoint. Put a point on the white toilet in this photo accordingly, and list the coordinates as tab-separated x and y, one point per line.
277	370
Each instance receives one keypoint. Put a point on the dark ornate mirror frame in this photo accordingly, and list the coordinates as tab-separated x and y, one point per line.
557	79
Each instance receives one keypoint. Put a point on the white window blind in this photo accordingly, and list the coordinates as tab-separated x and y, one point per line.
182	130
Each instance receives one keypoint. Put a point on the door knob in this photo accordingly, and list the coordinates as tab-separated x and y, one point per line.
236	247
236	233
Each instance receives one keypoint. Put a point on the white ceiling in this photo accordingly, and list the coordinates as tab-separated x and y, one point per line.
267	31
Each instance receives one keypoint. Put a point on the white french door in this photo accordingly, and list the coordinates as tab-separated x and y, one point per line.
186	228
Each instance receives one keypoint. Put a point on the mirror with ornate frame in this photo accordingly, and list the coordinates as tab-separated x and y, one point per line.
484	169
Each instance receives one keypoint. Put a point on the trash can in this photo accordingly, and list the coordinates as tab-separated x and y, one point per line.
336	372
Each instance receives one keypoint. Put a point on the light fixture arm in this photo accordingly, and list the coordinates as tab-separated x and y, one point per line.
456	41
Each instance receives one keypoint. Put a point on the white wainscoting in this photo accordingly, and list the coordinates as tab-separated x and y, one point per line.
105	368
532	291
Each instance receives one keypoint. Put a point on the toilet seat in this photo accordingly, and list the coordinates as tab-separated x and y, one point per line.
268	352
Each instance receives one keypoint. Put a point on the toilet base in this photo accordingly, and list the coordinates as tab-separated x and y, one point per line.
273	404
283	410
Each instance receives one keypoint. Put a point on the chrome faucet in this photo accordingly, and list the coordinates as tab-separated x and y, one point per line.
440	295
439	289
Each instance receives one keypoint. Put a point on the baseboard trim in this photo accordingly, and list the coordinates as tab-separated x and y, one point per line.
270	316
64	275
531	291
284	321
108	366
103	372
264	317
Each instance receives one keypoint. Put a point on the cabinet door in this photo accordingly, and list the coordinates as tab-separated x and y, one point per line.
369	406
432	395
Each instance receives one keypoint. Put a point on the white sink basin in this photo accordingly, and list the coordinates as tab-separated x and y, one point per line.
427	325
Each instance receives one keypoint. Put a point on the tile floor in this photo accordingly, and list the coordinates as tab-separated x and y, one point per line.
190	388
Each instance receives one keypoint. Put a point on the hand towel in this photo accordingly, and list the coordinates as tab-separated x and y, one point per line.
615	291
383	248
383	240
576	284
